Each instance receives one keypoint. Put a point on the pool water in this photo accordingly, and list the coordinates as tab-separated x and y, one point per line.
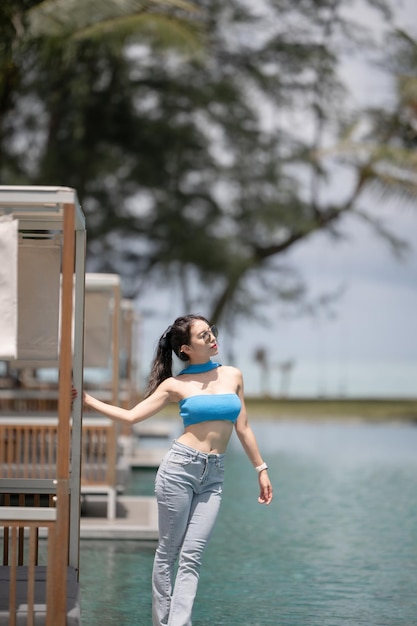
337	547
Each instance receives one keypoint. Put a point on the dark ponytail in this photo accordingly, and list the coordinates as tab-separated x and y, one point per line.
172	339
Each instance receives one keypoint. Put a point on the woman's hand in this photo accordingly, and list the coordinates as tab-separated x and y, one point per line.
265	495
85	398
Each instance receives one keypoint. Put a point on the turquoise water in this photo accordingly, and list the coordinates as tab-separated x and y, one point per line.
337	547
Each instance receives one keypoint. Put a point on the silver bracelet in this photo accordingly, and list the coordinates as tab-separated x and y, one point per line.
261	467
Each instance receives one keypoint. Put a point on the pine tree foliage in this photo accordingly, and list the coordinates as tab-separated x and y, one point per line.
202	168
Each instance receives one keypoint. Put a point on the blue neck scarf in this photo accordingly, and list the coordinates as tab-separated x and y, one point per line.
199	368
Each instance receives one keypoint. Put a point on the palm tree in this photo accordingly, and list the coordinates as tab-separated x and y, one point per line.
285	368
261	357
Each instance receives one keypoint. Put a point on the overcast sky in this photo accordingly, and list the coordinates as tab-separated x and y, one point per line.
369	348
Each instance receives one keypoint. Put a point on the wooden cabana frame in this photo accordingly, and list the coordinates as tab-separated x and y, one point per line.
102	347
57	210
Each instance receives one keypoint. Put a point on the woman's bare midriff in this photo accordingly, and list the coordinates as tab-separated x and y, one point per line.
209	437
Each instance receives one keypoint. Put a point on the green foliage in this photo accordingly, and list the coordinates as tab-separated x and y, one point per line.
381	144
200	168
163	22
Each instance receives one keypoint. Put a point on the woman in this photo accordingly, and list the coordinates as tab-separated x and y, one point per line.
189	481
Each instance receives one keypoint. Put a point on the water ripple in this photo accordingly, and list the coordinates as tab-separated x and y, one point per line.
336	548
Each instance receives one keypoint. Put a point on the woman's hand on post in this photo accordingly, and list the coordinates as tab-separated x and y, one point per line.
265	495
74	395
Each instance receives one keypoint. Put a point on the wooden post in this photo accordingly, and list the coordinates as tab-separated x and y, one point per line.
78	364
112	443
64	416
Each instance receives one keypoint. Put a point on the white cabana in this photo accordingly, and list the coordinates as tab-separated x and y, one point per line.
51	268
8	286
111	339
129	354
103	327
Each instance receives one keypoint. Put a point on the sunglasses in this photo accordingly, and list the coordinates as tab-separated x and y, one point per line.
213	331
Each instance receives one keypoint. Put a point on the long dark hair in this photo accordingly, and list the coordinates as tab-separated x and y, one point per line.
172	339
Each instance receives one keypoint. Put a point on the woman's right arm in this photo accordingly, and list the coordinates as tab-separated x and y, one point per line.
146	408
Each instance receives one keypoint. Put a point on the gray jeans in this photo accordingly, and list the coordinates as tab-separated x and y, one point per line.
188	489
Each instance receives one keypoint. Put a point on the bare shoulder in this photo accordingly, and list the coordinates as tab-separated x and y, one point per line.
231	370
232	373
170	386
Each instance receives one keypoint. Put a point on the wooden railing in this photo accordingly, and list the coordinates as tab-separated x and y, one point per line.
99	454
28	449
26	400
18	572
34	589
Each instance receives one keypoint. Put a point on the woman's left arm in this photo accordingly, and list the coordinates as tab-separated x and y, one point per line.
248	440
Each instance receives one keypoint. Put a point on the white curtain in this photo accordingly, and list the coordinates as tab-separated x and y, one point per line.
39	295
98	328
8	287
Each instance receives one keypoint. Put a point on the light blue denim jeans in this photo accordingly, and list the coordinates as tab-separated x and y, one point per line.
188	489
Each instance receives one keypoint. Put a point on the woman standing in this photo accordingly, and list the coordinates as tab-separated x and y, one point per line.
189	481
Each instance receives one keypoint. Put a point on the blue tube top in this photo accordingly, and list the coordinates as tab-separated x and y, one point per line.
206	407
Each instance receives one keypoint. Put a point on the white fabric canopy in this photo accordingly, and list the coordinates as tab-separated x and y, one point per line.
39	295
8	287
98	328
